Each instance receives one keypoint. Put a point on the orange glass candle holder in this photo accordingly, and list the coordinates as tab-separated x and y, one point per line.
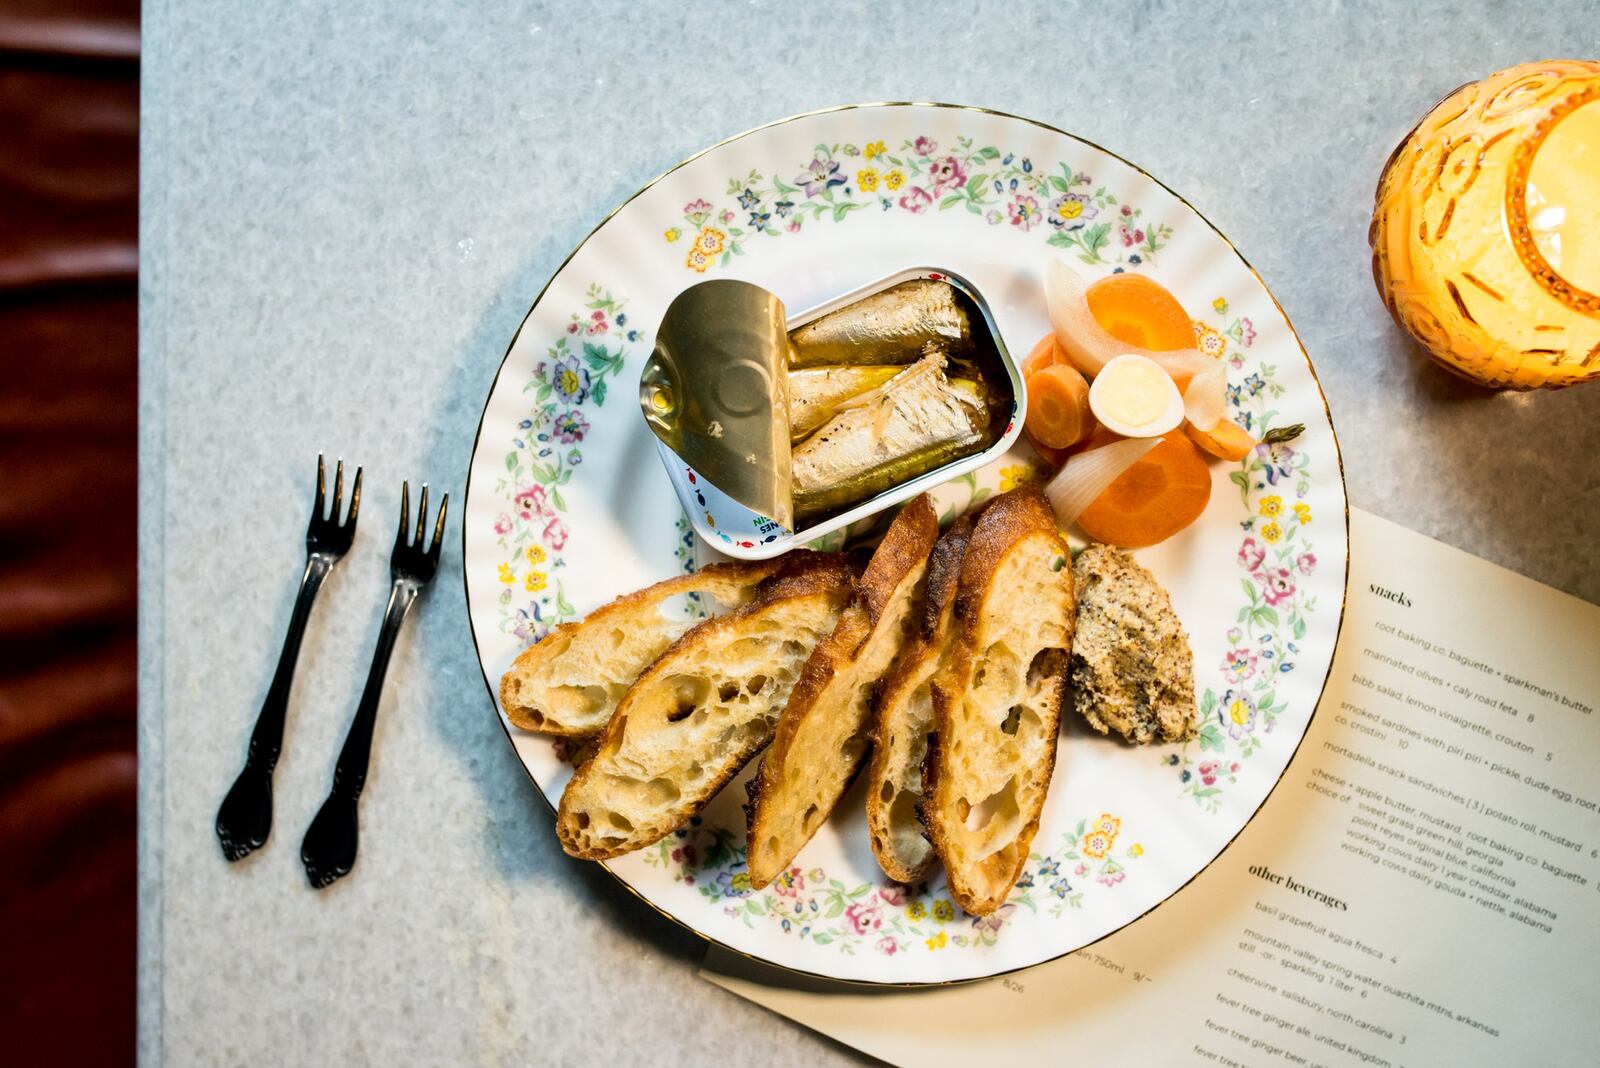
1486	232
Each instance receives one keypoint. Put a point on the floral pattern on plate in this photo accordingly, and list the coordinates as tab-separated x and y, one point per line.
888	917
1001	188
1274	556
531	528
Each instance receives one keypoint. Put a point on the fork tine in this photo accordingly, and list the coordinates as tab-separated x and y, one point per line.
338	491
438	529
316	509
405	512
422	517
355	500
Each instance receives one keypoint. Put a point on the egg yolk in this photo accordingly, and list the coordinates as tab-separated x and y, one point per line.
1135	393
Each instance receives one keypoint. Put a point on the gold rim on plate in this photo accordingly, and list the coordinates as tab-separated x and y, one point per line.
1338	456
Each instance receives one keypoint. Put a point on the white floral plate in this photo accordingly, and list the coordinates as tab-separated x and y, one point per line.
568	507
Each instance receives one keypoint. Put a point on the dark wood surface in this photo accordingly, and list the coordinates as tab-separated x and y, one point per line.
69	106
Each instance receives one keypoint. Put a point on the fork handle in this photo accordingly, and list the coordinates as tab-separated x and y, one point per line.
266	740
350	773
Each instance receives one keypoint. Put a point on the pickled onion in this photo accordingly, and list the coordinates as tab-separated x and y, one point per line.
1086	475
1204	396
1086	342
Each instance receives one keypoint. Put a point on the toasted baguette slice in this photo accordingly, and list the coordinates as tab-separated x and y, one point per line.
1132	670
997	703
905	716
825	732
569	683
577	750
701	711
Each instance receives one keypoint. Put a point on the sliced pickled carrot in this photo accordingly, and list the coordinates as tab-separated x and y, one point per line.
1226	441
1054	457
1043	355
1058	406
1158	496
1137	311
1086	342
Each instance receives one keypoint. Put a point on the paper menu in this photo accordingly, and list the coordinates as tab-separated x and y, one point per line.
1421	888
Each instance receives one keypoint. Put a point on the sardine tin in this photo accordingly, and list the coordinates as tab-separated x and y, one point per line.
889	326
729	428
920	423
746	534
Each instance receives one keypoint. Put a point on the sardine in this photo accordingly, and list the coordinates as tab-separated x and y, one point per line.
886	328
816	394
917	421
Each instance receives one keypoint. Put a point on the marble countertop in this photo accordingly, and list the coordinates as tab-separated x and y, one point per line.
347	209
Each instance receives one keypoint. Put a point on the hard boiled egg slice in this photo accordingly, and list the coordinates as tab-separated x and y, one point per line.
1134	397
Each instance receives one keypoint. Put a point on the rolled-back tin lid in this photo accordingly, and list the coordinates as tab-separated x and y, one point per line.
715	392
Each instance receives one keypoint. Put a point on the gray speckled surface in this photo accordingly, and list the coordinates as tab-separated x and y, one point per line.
347	209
